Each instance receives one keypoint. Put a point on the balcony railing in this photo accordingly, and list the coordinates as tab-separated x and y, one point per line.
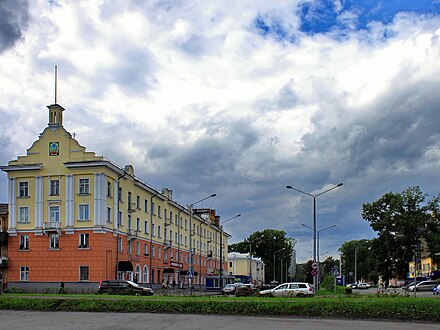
167	243
52	225
131	207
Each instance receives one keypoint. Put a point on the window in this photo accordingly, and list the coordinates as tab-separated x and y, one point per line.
130	247
129	221
23	189
24	242
83	210
24	273
152	230
83	273
54	213
159	232
24	214
83	241
120	244
152	207
120	194
109	189
158	251
186	224
146	226
153	251
138	248
138	202
146	205
109	214
54	241
146	249
54	189
120	218
138	224
84	187
158	212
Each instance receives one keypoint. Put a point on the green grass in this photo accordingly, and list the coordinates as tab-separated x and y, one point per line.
354	307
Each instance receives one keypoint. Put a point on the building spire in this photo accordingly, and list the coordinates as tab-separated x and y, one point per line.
56	110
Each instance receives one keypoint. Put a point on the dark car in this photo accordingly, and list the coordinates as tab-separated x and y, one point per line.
123	287
244	290
229	289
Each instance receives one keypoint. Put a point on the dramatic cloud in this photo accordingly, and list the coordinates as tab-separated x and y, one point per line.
238	99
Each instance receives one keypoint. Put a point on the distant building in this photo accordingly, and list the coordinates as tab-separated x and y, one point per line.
241	264
78	218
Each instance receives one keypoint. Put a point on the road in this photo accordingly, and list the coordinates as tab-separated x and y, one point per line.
78	320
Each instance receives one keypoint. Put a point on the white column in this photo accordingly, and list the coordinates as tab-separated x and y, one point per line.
70	200
99	199
12	197
115	203
38	202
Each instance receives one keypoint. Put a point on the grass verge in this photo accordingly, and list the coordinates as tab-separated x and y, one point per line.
404	309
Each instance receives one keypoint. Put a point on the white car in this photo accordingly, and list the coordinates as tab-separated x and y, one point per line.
363	286
294	289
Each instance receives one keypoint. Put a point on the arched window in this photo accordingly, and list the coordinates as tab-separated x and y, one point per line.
137	274
146	278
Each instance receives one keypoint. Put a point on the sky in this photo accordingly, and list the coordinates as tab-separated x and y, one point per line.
237	98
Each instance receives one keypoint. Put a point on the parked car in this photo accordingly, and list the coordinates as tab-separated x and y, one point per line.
229	289
244	290
352	285
363	286
123	287
423	286
294	289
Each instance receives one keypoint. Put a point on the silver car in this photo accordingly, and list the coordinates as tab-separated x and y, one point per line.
294	289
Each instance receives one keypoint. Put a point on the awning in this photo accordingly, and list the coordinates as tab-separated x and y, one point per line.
168	270
125	266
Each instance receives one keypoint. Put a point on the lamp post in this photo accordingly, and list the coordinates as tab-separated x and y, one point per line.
314	220
250	254
151	237
317	250
281	270
274	262
190	268
355	259
221	249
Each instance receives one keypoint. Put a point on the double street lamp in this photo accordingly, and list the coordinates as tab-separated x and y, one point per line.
190	268
221	249
314	196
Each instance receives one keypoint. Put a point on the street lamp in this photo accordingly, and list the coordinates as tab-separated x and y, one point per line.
317	252
355	259
190	268
274	261
314	219
250	254
221	249
281	270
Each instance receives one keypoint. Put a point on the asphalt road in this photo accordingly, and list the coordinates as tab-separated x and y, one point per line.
78	320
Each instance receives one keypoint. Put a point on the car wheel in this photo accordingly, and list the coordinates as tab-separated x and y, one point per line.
300	295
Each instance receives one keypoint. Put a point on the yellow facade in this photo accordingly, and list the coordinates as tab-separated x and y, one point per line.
58	187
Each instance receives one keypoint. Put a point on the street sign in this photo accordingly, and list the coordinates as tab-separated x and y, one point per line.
314	272
335	271
190	275
315	265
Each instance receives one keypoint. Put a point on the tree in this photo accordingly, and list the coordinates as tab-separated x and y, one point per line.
366	267
432	234
264	244
399	220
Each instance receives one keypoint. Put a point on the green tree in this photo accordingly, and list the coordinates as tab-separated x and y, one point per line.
264	244
366	267
399	220
432	234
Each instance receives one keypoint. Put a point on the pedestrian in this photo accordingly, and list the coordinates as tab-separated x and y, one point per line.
174	283
163	284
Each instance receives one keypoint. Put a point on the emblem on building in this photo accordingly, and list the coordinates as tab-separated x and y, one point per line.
54	148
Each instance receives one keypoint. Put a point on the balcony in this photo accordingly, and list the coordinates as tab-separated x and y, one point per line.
52	226
132	234
3	236
131	207
167	244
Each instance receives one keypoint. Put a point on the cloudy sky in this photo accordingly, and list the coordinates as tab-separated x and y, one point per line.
237	98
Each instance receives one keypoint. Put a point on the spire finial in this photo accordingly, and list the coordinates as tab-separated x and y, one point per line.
56	82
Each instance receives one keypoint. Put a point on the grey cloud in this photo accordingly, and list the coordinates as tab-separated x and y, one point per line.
14	20
287	98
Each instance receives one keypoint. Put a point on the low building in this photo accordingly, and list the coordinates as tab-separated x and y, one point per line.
244	264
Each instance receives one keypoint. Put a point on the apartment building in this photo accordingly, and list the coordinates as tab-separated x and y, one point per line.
79	218
242	264
3	246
